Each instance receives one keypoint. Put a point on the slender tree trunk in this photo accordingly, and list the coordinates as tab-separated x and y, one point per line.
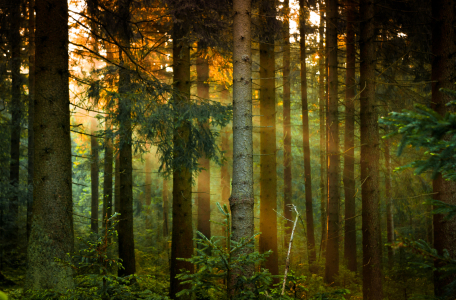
148	190
268	170
321	113
94	176
165	209
370	193
332	247
107	182
349	141
52	221
389	204
31	114
443	50
226	148
125	229
305	141
242	196
204	178
16	115
287	157
182	233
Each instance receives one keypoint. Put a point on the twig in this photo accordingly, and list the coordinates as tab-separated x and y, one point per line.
287	264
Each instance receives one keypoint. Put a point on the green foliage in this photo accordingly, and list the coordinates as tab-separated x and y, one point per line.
425	128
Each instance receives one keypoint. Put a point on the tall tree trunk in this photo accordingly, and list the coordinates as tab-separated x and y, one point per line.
117	186
16	115
182	233
225	180
125	230
321	114
349	140
165	209
305	140
372	248
443	77
52	221
332	247
242	197
268	170
148	190
287	157
94	176
204	178
389	204
31	113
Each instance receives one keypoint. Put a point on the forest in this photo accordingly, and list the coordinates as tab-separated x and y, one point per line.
227	149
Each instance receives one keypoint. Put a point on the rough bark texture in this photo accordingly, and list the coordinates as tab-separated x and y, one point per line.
372	248
349	140
225	180
16	115
148	190
94	176
287	157
321	113
182	233
31	113
52	221
312	255
241	200
268	170
389	204
443	77
204	178
332	247
125	228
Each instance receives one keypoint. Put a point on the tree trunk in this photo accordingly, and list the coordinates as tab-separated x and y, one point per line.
16	115
349	141
442	76
52	220
204	178
182	233
117	185
242	197
148	190
125	229
94	176
287	157
165	209
268	172
389	204
321	113
372	248
31	114
305	141
332	247
228	153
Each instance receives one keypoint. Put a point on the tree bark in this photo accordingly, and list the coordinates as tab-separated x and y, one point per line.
165	209
16	115
287	157
204	178
182	233
322	113
94	176
332	247
52	220
349	140
305	141
225	180
31	114
372	248
442	76
125	228
268	164
242	196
